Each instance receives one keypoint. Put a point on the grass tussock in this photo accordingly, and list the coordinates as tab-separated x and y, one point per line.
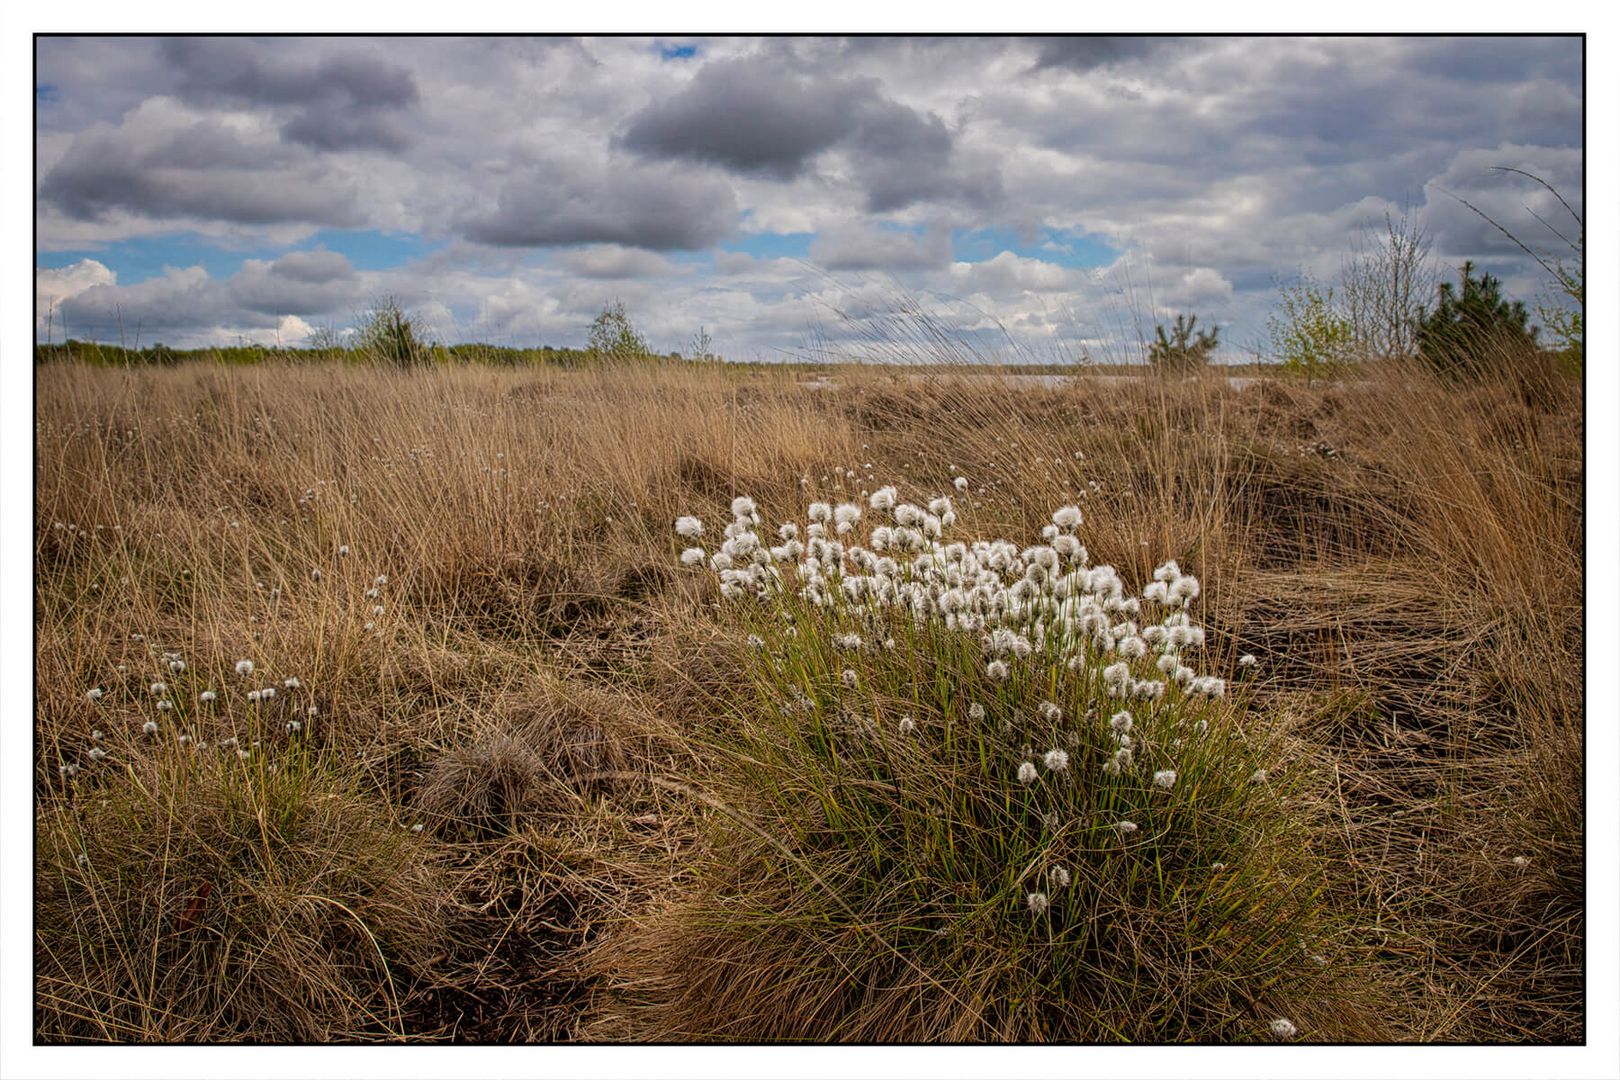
633	825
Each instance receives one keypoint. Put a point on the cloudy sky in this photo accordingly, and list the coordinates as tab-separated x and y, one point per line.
1035	197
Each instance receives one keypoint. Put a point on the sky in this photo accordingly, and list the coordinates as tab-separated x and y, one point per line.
791	197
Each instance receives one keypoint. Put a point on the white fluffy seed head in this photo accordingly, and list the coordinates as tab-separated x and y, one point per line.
883	498
742	506
150	727
1056	760
1125	828
1037	903
244	667
94	693
1165	778
1283	1029
1026	772
689	527
1066	517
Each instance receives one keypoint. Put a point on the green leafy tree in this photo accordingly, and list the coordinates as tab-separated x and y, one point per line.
1310	335
1185	348
613	334
1473	326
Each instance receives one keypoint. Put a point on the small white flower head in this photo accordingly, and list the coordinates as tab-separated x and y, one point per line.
228	742
244	667
93	694
378	610
176	666
1258	777
159	689
1056	760
1037	903
961	483
1124	828
689	527
137	637
294	726
1247	660
976	712
312	711
845	516
692	556
150	727
1165	778
165	706
243	755
1120	723
1066	517
417	828
1058	876
1050	712
742	507
185	740
369	626
95	735
253	697
1283	1029
998	670
850	678
68	771
883	498
907	725
315	575
82	859
97	753
1521	861
206	696
292	682
382	579
1026	773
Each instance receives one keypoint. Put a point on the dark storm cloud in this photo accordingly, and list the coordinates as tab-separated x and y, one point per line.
172	167
342	101
1083	52
749	115
757	115
655	207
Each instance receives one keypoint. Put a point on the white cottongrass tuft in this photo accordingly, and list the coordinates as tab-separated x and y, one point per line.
1283	1029
292	682
97	753
1258	776
343	551
975	712
883	498
176	666
1050	712
243	754
94	693
998	670
1026	773
165	706
315	575
1247	660
68	771
850	678
689	527
95	735
1165	778
1056	760
1066	517
382	579
1037	903
907	725
253	697
1120	723
206	696
692	556
1058	876
244	667
294	726
159	689
961	483
1521	861
150	727
1124	828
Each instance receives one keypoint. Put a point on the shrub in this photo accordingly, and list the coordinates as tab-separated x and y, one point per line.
1471	329
389	332
613	334
1182	350
1311	336
966	796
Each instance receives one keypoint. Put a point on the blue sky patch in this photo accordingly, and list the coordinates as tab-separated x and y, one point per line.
1059	246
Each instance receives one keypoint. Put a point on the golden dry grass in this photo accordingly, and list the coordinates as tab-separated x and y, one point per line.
1404	558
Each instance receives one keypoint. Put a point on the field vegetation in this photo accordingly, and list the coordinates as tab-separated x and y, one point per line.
383	701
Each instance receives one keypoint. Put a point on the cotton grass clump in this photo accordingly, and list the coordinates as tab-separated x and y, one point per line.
1051	717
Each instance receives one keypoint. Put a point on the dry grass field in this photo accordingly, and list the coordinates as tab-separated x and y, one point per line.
522	778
